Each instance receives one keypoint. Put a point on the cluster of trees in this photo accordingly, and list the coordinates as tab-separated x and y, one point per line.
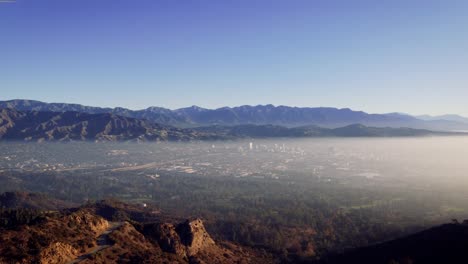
10	218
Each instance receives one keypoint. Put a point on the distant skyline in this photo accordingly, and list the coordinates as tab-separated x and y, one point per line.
375	56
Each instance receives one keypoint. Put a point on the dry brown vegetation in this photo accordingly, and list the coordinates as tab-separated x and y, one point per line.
73	235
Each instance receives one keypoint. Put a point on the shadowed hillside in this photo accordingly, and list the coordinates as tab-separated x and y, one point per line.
443	244
66	126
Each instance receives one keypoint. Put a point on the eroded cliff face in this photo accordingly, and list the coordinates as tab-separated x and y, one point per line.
166	236
186	239
192	243
194	237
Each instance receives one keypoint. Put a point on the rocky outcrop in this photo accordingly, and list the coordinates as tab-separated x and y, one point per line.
194	237
166	236
186	239
91	222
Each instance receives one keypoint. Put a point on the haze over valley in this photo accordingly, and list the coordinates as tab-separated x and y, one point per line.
233	132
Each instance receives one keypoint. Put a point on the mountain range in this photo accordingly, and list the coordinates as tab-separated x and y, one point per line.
66	126
77	126
285	116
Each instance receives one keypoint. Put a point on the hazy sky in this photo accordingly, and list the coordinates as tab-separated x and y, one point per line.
377	56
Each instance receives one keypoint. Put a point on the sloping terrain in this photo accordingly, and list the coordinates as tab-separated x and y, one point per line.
443	244
40	126
24	200
53	239
84	235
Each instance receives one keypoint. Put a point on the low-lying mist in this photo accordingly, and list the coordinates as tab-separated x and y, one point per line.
421	161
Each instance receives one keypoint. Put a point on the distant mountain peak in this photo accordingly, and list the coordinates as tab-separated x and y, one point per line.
193	108
448	117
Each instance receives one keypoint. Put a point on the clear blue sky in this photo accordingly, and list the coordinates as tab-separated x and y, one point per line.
377	56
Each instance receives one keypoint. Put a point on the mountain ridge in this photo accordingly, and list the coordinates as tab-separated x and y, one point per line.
66	126
76	126
456	118
195	116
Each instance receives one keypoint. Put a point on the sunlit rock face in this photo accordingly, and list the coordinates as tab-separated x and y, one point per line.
194	236
186	239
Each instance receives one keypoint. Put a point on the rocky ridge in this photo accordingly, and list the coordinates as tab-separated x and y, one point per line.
82	235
